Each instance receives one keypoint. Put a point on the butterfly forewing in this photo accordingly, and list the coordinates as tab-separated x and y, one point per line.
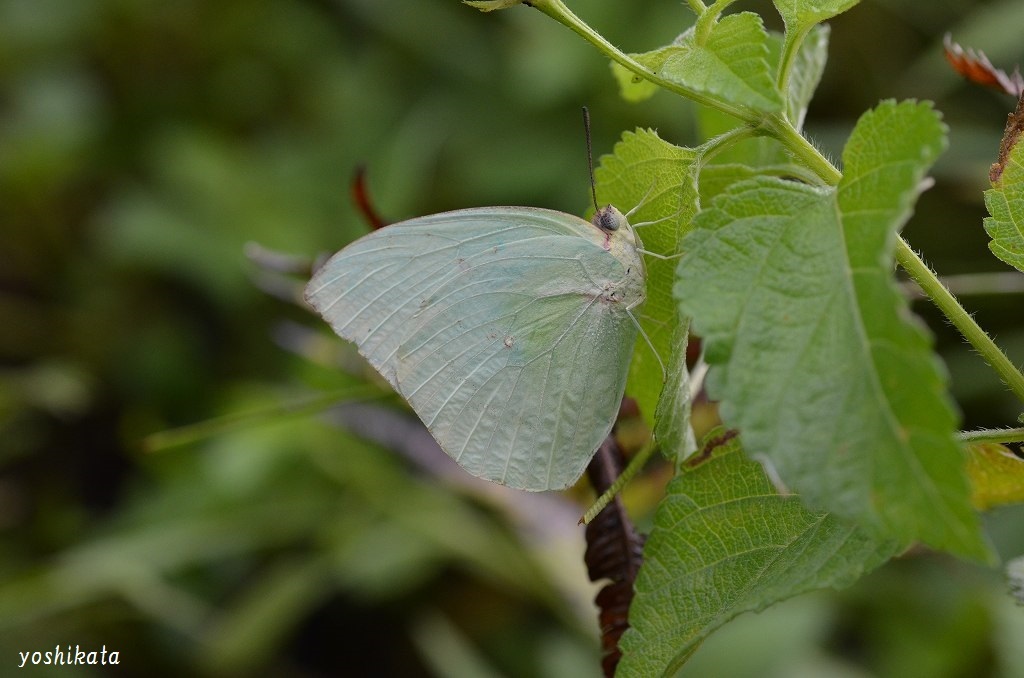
370	290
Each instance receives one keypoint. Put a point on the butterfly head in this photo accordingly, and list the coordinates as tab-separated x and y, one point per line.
609	219
618	234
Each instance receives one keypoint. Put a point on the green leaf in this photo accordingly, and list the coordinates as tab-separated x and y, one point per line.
726	542
1005	202
632	87
815	356
805	74
800	15
997	475
647	171
732	65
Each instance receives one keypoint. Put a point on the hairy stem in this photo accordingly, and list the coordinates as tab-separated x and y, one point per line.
961	319
790	48
998	435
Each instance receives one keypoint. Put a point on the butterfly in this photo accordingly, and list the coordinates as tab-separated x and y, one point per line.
508	330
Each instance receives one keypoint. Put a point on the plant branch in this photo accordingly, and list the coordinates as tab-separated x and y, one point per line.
961	319
803	150
997	435
975	284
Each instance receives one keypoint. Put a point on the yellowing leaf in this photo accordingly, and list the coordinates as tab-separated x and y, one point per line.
996	474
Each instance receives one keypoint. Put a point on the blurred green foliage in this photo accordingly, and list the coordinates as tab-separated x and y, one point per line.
143	143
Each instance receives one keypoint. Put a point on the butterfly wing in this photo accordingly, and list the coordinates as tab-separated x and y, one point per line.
518	365
500	326
370	291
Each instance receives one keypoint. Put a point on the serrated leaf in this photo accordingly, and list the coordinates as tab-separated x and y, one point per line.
726	542
806	71
814	354
660	177
731	65
997	476
799	15
1005	202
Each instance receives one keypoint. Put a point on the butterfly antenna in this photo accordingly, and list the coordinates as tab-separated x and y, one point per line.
590	155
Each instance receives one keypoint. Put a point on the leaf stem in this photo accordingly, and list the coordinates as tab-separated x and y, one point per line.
557	10
961	319
635	464
790	48
976	284
724	141
782	129
997	435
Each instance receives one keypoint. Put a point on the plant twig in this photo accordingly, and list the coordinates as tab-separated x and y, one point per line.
961	319
993	435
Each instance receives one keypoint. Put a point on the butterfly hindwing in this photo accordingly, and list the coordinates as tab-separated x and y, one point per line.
519	363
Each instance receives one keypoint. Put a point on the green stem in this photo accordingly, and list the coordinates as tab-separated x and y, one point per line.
977	284
790	48
557	10
635	464
998	435
961	319
779	127
724	141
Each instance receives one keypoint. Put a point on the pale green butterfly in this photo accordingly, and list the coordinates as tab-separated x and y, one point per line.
508	330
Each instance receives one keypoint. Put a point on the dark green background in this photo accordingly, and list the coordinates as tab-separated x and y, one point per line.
143	143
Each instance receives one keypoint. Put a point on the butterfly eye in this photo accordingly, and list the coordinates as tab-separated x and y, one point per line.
609	222
607	219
